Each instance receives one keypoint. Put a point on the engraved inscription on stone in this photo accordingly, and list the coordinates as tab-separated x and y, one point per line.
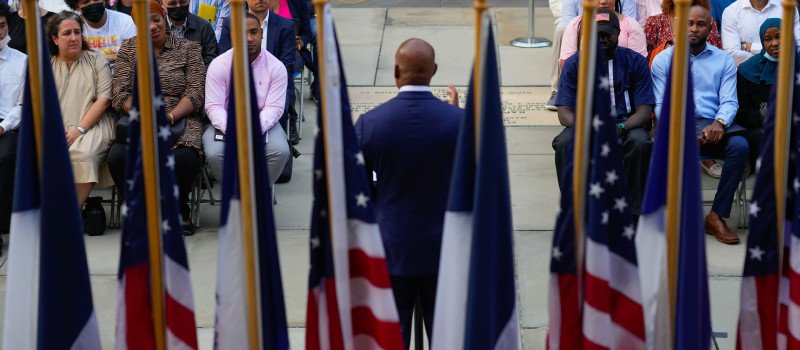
522	106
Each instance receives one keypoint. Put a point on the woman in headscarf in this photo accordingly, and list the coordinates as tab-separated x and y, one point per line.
757	75
754	83
182	74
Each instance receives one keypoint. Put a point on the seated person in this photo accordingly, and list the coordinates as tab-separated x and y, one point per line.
741	21
754	82
124	6
631	35
188	26
12	68
658	28
270	78
572	8
212	11
83	82
182	75
16	27
632	104
280	42
714	77
103	29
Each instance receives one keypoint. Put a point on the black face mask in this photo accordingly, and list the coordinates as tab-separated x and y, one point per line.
178	14
94	12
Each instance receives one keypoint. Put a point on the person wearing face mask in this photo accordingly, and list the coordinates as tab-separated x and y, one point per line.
754	82
12	69
104	29
189	26
182	75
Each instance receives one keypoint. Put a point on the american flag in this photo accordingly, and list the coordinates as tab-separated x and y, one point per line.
231	315
48	301
692	327
611	315
767	302
134	305
612	305
350	299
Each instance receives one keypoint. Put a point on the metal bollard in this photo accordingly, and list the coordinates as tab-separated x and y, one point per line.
531	41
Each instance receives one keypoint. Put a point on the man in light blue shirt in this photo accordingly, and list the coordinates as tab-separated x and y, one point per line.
12	70
714	77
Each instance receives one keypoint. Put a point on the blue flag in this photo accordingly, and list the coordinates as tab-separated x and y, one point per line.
692	316
231	320
491	316
134	321
48	294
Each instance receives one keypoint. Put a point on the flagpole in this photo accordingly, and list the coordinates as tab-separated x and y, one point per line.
145	78
675	168
783	107
333	211
241	79
583	109
480	7
33	35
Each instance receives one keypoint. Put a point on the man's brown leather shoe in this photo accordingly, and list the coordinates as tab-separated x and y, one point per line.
717	227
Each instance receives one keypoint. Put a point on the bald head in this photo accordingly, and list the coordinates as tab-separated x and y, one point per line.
415	63
699	28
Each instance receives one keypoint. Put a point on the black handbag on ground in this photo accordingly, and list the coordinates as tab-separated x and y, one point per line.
94	216
121	129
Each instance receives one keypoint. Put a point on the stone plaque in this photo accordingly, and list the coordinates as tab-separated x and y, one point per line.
522	106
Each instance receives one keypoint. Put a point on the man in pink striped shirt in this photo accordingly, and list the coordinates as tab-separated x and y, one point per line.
269	76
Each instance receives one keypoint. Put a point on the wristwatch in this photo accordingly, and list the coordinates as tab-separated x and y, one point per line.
81	130
721	122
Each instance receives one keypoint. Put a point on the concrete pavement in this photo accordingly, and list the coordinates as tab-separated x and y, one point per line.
369	38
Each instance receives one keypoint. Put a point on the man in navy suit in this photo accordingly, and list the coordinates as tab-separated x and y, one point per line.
280	41
408	145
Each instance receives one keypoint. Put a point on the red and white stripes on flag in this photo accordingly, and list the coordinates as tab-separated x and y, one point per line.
134	321
350	300
612	305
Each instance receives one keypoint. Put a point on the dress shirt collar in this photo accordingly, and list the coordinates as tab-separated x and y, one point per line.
5	53
415	88
261	59
180	31
705	49
746	4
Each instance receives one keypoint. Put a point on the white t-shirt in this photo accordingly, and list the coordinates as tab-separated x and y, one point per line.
108	38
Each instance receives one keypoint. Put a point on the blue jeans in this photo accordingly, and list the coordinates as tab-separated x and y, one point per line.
734	150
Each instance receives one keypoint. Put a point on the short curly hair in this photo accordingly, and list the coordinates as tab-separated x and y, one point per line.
667	6
73	4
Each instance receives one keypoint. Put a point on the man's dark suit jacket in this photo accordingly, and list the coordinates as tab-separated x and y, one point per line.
280	43
410	142
200	31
